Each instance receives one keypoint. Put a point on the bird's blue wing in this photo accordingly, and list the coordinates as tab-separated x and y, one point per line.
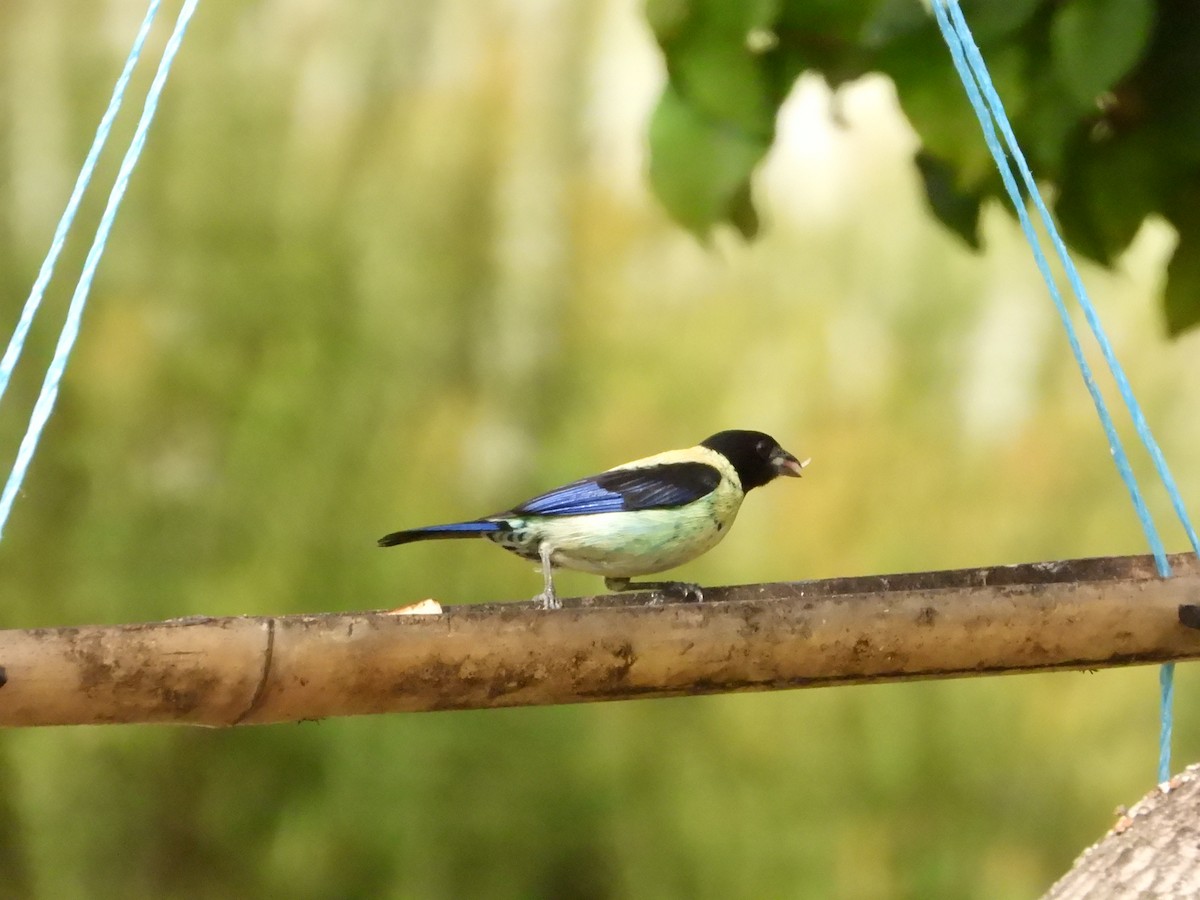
662	486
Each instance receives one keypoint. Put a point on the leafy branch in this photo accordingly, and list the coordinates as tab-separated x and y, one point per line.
1104	96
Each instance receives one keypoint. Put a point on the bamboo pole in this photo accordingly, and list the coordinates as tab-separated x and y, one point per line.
1077	614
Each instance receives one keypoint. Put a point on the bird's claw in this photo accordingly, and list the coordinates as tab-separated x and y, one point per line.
685	591
547	600
661	591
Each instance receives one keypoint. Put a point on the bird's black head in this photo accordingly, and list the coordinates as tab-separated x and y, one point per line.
756	457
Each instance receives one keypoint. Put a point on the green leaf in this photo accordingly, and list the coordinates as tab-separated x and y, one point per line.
1164	92
742	214
712	63
700	168
725	82
1050	117
827	35
1108	187
1181	299
670	18
893	19
956	210
829	21
716	119
992	20
1095	42
667	18
935	102
1181	296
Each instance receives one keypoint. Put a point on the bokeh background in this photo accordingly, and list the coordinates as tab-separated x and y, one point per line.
395	262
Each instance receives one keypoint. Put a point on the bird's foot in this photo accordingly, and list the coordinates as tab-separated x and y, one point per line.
683	590
687	591
547	600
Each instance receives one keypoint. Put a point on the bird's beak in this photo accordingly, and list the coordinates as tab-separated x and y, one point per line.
786	464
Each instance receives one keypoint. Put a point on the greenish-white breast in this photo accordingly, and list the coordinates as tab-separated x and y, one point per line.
641	542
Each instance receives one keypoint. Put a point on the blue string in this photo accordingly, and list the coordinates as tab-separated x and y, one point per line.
1166	703
1141	426
17	343
70	330
969	77
973	72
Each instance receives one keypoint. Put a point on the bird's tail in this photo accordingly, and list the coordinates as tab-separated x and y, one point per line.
436	532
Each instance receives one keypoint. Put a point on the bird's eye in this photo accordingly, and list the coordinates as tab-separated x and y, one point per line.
763	448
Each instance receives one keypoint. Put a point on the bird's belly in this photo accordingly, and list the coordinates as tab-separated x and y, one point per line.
623	544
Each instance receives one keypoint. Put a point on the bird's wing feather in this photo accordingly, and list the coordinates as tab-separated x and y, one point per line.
661	486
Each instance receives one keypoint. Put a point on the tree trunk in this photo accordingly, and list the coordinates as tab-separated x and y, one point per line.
1152	852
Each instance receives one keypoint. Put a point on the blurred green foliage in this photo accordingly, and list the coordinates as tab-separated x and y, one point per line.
1104	98
397	264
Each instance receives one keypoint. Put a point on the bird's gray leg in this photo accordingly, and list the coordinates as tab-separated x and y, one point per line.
547	598
686	590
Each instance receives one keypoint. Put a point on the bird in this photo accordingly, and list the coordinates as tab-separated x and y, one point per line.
636	519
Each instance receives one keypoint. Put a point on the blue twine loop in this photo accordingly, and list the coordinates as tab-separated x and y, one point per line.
989	109
17	343
70	330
